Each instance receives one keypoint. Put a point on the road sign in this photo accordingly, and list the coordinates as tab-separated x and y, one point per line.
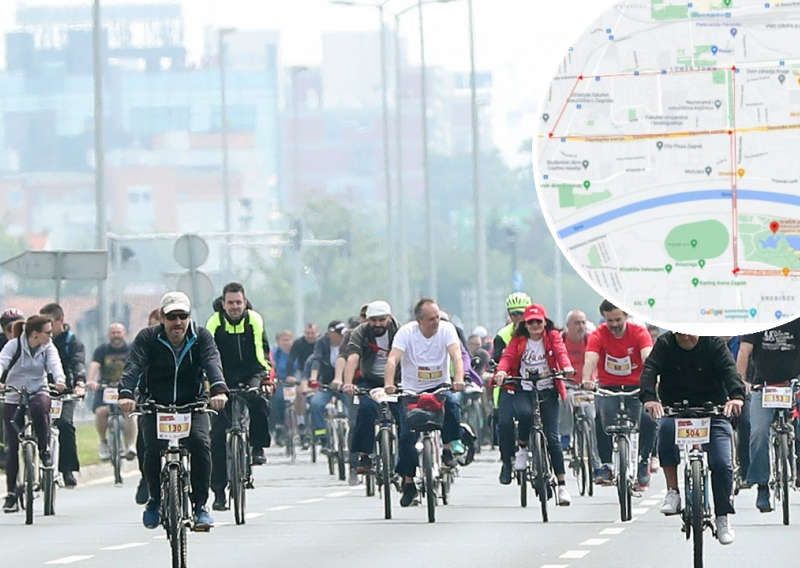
59	265
191	251
198	286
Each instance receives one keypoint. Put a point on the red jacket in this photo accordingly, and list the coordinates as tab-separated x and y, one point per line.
554	349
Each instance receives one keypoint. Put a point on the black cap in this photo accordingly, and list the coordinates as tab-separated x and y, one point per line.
337	325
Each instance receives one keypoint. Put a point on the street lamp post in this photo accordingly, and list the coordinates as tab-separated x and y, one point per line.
433	282
296	205
226	192
99	164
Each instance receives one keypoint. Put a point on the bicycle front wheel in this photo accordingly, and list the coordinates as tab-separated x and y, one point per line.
49	490
427	466
117	447
238	457
698	512
385	442
623	482
540	471
784	473
341	451
522	481
176	530
580	455
30	480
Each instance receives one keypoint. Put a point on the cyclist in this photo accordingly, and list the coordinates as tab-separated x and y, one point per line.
696	370
516	302
303	349
244	351
73	360
105	370
367	352
478	353
25	362
169	362
616	352
323	362
776	358
423	349
7	319
536	346
284	372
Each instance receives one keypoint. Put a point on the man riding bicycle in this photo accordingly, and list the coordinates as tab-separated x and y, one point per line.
424	349
696	370
172	361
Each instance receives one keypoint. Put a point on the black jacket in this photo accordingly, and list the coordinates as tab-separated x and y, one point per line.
362	341
73	357
169	378
321	359
243	346
707	373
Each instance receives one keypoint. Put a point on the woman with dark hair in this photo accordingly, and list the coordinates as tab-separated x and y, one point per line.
535	346
25	361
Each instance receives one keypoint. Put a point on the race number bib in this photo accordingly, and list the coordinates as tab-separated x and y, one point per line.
776	397
527	385
55	409
110	396
582	397
433	373
618	366
380	396
289	394
692	431
173	425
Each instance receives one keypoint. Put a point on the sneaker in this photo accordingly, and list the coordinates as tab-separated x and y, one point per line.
47	459
521	459
202	520
364	464
563	497
131	453
725	532
352	479
10	505
643	476
142	492
603	476
258	457
457	447
671	504
448	459
655	464
152	514
409	494
69	480
505	474
220	502
763	501
105	455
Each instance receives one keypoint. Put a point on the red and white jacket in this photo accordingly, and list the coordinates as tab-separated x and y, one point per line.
555	352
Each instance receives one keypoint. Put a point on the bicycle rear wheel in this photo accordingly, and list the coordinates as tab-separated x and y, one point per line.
176	530
522	481
238	456
385	442
784	472
30	479
116	447
427	466
48	482
623	482
588	438
698	512
539	471
580	455
341	451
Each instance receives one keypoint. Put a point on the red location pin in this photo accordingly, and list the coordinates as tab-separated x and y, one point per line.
774	226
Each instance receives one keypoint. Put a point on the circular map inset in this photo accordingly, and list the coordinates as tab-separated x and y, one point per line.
668	162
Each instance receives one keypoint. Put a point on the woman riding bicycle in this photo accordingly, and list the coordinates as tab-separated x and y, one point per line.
536	346
25	363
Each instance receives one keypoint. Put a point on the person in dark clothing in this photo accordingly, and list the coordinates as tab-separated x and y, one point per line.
303	349
170	363
696	370
73	359
7	319
323	368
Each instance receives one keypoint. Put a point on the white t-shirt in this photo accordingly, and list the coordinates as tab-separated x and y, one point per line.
334	354
533	359
425	363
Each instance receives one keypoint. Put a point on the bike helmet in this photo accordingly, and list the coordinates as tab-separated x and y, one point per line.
518	301
10	315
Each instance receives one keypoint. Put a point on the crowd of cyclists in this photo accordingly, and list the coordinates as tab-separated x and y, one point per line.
176	361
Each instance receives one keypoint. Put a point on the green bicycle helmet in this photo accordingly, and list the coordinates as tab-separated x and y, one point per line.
518	301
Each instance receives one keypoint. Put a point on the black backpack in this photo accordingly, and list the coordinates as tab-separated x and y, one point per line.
14	359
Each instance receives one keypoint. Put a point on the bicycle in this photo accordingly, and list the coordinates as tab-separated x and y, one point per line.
291	429
385	460
116	432
782	441
429	424
49	477
473	412
174	423
238	452
692	430
337	425
626	449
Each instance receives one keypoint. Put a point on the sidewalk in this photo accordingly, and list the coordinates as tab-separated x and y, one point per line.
98	474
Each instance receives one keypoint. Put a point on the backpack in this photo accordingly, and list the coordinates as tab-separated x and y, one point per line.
14	359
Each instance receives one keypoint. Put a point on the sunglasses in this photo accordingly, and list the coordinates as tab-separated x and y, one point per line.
517	313
534	322
174	316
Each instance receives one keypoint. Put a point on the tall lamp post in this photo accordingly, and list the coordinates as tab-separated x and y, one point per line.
99	164
226	191
296	206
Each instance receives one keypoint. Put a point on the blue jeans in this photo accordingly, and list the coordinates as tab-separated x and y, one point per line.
317	403
719	459
519	404
760	422
363	434
406	446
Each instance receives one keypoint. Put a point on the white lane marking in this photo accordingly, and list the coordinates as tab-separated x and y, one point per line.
575	553
611	532
70	559
125	546
161	537
338	494
640	511
253	515
110	478
306	501
594	542
281	508
556	566
651	502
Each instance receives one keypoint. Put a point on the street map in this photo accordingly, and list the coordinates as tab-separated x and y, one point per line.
668	161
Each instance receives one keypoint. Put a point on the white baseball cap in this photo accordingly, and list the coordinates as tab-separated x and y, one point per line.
176	302
480	331
378	309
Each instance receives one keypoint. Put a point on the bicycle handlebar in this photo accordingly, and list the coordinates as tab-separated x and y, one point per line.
623	394
683	410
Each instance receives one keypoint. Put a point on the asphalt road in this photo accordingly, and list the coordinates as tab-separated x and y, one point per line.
300	516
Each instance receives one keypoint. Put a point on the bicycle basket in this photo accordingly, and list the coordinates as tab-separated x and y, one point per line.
424	413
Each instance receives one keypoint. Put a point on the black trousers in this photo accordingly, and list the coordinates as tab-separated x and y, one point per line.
68	445
199	445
